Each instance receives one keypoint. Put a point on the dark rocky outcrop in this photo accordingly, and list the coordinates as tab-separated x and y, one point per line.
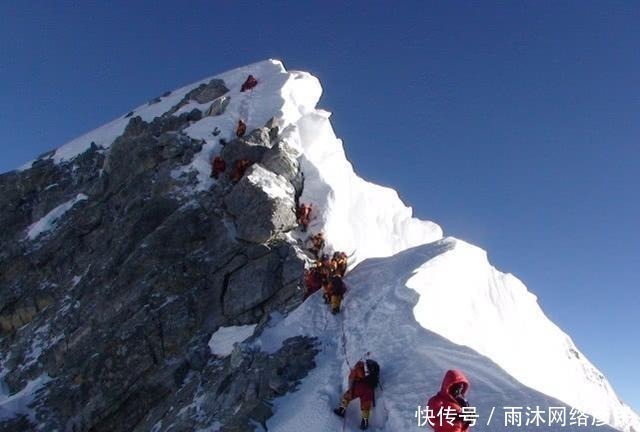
263	205
115	306
251	147
218	106
202	94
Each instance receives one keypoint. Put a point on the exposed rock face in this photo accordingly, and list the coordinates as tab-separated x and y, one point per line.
208	92
263	205
282	159
251	147
114	306
238	387
218	106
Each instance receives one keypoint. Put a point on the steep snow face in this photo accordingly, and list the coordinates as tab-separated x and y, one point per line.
361	218
494	314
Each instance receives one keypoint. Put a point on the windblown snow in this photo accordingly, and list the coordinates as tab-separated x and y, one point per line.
50	220
398	305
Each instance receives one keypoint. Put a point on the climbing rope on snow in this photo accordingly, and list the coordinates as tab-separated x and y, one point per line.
245	107
344	341
346	359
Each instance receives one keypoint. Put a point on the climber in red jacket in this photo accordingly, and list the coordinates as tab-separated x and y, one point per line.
363	380
218	166
450	399
250	83
313	279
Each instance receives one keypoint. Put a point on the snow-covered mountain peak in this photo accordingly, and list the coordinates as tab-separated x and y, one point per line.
405	276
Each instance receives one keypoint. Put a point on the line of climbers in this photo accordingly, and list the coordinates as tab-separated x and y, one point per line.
364	377
327	273
218	164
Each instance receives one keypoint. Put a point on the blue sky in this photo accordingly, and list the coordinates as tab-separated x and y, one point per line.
515	125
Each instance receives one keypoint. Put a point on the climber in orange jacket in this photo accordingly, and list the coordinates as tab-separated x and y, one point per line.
250	83
334	291
451	396
340	263
363	380
241	129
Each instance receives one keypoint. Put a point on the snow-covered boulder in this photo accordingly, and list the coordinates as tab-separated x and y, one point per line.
282	159
251	147
263	204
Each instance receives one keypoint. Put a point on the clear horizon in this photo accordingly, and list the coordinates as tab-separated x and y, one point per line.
515	126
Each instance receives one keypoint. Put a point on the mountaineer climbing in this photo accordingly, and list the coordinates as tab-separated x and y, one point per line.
317	244
334	291
250	83
313	279
218	166
324	268
450	398
239	169
340	263
363	380
241	129
303	214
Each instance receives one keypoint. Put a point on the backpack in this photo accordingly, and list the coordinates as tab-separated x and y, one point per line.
337	286
373	379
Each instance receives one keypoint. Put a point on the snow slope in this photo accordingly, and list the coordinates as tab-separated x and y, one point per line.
400	297
378	316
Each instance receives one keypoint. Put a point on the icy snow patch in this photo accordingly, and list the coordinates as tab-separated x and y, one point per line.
50	220
18	404
223	340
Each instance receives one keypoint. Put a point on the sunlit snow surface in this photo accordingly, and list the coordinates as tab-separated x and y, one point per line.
223	340
420	308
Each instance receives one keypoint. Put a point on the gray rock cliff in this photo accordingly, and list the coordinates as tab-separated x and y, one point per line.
111	307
